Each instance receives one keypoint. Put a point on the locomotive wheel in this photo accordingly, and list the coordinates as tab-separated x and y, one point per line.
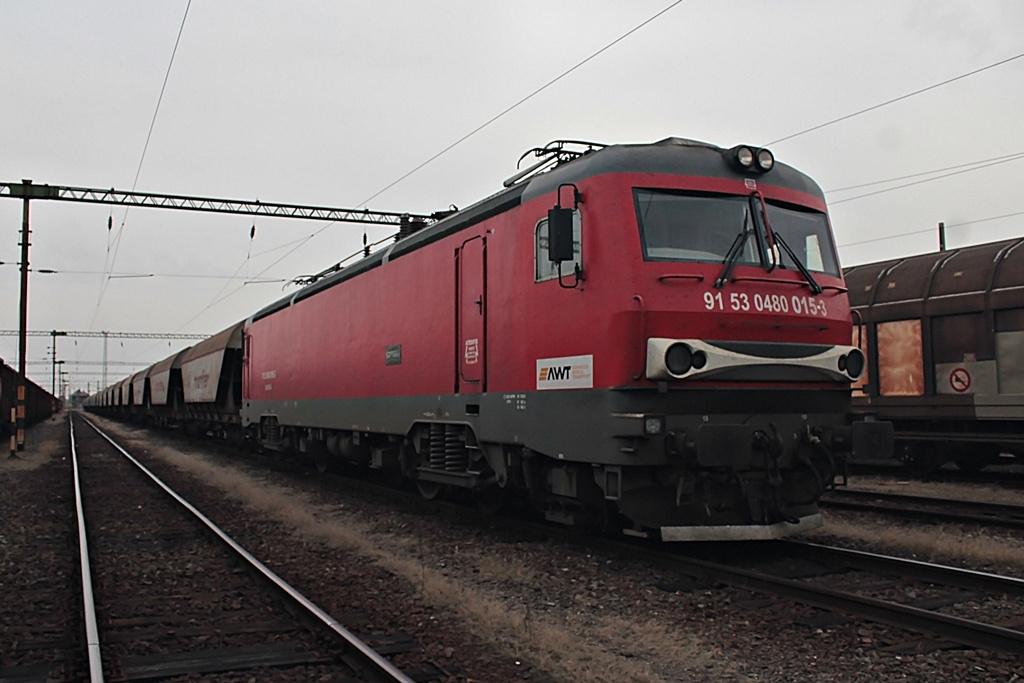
322	460
428	489
974	461
490	500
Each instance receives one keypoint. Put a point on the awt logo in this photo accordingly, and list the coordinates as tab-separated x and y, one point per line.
570	372
552	374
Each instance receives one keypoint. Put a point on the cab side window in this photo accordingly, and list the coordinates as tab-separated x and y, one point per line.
545	269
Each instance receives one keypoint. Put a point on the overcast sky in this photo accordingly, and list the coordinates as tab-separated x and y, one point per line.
328	103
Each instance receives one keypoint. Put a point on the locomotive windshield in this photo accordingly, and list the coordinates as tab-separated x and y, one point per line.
702	227
806	232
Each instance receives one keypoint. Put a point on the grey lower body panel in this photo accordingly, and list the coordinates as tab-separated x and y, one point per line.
600	426
705	464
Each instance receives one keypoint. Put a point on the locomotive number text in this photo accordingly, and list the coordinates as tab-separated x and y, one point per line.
772	303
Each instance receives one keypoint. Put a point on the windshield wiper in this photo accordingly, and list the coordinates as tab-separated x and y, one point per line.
815	287
733	255
777	239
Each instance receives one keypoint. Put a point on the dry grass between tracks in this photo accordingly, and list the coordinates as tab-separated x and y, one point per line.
988	493
940	543
994	549
42	443
604	647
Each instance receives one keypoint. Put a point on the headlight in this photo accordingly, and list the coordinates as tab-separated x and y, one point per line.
744	156
852	363
747	158
679	359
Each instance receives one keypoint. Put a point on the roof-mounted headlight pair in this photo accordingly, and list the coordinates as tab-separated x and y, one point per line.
752	159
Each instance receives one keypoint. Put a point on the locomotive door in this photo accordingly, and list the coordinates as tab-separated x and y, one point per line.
471	316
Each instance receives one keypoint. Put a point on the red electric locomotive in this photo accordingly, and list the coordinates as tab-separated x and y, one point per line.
655	335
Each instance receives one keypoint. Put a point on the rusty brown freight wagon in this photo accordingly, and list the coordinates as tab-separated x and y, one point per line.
944	337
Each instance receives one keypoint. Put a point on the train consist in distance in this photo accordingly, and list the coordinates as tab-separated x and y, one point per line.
944	335
39	403
654	337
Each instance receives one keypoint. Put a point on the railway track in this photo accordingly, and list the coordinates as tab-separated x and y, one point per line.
42	637
925	508
168	593
920	597
906	594
903	593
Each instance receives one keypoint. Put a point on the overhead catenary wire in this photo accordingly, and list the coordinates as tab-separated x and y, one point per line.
1006	157
188	276
112	259
932	230
895	99
522	101
1017	157
956	170
447	149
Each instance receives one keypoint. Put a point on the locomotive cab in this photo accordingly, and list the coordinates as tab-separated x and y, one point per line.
727	392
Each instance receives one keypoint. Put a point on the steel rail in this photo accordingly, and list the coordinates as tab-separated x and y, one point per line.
968	579
92	632
377	667
964	631
987	514
962	437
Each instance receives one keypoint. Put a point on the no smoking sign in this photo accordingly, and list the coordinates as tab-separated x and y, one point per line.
960	380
